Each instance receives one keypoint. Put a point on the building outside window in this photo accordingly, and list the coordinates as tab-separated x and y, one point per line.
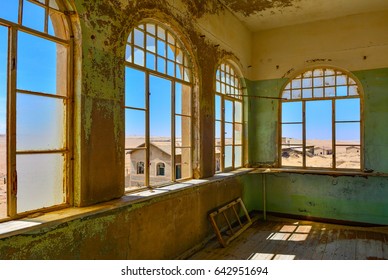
228	119
158	105
34	106
321	121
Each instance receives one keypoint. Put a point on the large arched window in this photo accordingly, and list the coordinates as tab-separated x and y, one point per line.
34	106
321	121
158	104
228	119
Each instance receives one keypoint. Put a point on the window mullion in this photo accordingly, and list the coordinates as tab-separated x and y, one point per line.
173	133
222	152
147	130
11	127
334	146
304	133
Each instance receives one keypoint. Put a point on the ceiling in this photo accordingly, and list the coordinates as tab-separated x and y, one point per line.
266	14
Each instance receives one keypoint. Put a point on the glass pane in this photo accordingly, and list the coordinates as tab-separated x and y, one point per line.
3	119
218	159
348	157
134	169
150	28
296	94
292	155
330	81
161	65
319	133
320	155
161	48
353	90
160	107
151	44
150	61
238	133
32	74
218	107
160	130
139	57
187	75
238	111
318	92
307	93
182	99
342	91
171	52
228	111
134	128
139	38
318	122
292	134
33	16
307	83
128	53
179	56
296	83
161	33
39	123
179	71
291	112
9	10
329	91
170	68
53	4
218	133
341	80
40	181
237	156
347	109
286	94
348	133
134	88
228	156
183	160
318	82
183	131
228	134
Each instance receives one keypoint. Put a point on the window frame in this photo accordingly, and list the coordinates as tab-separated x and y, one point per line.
54	13
351	81
227	92
186	79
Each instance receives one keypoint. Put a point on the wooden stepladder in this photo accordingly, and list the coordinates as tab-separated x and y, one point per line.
231	231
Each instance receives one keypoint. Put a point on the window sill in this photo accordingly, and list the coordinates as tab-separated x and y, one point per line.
38	224
318	172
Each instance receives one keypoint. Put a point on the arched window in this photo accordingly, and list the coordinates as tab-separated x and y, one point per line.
34	106
160	169
228	119
321	120
158	100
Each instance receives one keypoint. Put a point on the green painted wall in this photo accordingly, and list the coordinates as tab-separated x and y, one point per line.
349	198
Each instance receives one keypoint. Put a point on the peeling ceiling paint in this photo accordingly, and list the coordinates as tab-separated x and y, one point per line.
259	15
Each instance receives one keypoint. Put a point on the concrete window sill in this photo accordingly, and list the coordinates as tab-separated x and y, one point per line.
40	223
318	172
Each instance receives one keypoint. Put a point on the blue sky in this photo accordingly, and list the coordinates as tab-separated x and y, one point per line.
319	119
37	124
